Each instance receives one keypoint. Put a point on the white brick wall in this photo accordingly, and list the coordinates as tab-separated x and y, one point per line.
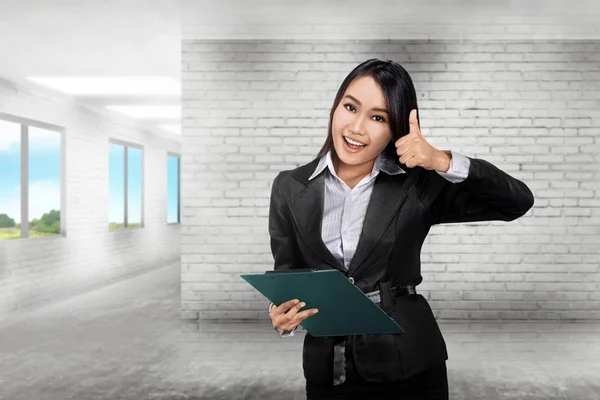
253	108
37	270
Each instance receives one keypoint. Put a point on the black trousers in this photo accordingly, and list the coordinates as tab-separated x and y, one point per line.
431	384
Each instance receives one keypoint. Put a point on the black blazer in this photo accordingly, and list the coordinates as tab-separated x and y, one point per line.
400	213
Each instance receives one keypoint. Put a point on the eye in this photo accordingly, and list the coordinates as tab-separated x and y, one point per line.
378	116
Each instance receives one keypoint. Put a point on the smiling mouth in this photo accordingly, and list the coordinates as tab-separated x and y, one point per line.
352	144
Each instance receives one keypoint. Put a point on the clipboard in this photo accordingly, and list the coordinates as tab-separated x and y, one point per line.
343	308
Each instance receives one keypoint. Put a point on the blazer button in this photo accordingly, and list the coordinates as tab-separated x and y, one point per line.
351	280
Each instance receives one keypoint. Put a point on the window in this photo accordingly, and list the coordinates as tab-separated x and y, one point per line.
10	180
44	182
173	188
126	185
31	182
117	186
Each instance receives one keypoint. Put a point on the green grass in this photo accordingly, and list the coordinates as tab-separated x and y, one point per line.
9	233
15	233
115	225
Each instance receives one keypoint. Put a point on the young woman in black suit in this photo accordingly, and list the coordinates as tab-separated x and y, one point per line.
409	185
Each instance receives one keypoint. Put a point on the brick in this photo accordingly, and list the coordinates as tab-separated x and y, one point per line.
519	105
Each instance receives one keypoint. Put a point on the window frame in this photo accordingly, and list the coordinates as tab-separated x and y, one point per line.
25	124
126	145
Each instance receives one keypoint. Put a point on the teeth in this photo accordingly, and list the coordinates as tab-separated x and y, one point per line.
353	142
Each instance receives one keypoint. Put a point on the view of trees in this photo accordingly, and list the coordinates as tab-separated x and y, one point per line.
48	224
6	221
39	148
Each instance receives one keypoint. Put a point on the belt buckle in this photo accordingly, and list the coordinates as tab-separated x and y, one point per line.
402	290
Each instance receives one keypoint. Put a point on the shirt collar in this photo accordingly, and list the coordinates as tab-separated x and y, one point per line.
382	163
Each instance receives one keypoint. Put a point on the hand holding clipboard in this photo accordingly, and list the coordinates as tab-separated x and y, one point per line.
343	308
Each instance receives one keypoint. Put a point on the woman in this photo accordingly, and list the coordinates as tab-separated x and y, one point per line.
364	206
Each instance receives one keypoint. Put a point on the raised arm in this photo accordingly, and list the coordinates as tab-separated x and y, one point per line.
487	194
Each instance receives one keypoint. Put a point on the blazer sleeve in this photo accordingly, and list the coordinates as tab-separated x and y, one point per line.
284	247
286	254
487	194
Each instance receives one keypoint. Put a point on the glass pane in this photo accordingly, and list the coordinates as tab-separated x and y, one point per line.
10	180
44	182
172	188
134	187
116	181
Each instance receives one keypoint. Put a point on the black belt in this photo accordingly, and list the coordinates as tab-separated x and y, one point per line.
400	290
339	348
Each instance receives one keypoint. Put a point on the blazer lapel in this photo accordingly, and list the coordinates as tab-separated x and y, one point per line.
306	209
307	212
386	199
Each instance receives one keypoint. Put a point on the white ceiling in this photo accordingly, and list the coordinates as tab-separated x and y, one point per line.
391	19
92	38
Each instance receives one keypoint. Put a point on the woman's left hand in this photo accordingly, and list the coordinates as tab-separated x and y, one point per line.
415	151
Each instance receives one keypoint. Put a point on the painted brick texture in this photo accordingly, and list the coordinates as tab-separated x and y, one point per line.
253	108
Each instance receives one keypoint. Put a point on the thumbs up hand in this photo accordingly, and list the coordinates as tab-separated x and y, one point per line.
415	151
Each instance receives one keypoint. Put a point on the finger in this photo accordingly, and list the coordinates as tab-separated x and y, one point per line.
290	317
402	141
410	163
408	146
298	318
403	148
307	313
407	156
409	137
284	307
290	327
291	313
413	122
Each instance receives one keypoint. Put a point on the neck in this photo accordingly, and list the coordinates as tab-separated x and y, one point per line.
351	173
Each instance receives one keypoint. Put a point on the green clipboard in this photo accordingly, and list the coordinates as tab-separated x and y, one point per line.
343	308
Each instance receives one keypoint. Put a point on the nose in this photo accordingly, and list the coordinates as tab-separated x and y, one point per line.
356	125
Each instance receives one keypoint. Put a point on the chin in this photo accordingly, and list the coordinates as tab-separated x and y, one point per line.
349	158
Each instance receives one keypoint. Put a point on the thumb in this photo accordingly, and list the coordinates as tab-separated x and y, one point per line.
413	122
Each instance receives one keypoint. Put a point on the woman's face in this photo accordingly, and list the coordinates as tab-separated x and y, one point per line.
361	116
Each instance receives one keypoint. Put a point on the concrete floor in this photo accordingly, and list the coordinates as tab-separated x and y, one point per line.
126	341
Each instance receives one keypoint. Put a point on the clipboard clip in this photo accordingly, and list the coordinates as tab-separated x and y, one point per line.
292	270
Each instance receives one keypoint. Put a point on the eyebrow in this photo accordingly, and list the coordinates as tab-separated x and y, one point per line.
360	104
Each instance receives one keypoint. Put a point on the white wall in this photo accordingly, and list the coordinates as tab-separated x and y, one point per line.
317	20
252	108
34	271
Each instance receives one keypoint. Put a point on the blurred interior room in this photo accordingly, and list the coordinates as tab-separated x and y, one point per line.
138	146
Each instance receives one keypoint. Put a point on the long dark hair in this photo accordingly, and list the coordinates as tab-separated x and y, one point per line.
399	92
